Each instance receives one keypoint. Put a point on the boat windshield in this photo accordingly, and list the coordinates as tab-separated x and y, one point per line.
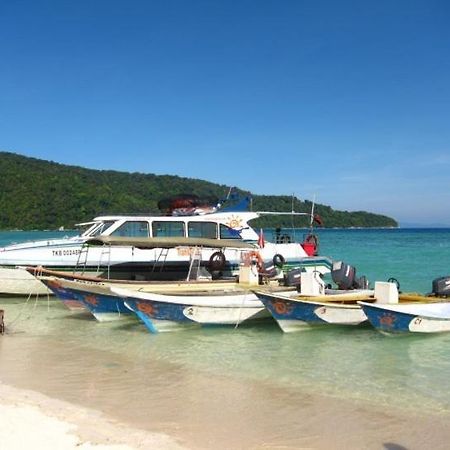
98	228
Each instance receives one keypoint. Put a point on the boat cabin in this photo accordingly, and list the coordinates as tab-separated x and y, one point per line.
212	226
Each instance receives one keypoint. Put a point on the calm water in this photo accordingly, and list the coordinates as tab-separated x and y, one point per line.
72	357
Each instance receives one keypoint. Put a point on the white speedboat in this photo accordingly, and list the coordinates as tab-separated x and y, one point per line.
131	262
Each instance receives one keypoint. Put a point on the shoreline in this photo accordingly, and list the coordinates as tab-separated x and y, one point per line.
29	419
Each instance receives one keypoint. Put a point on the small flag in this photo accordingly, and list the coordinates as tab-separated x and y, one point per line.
261	241
318	219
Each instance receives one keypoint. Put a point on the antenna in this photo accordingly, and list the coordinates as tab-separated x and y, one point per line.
312	212
292	211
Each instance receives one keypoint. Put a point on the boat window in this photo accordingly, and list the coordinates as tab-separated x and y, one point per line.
202	230
97	228
228	233
104	226
168	229
132	229
88	229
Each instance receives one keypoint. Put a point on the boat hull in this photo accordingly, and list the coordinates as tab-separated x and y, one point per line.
295	314
103	306
17	281
168	312
406	319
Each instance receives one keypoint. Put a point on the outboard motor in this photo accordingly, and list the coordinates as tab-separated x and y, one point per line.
343	275
441	286
293	277
270	270
361	283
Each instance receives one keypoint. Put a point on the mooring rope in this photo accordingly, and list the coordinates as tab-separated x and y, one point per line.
240	310
37	272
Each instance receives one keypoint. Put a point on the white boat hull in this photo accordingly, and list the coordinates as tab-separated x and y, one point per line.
224	316
341	316
112	316
291	326
17	281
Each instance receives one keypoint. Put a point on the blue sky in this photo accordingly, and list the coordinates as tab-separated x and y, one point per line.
346	101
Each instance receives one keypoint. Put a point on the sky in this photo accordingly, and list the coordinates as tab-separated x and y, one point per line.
344	102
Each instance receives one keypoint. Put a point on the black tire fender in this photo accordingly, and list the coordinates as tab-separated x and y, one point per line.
278	260
216	261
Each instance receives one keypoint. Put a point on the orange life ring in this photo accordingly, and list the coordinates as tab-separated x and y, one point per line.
255	256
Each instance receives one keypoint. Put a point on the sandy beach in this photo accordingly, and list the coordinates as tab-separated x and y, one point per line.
29	420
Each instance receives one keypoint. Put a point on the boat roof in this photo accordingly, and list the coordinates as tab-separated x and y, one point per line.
169	242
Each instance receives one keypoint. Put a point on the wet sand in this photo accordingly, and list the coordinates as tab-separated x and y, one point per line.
83	392
30	420
204	413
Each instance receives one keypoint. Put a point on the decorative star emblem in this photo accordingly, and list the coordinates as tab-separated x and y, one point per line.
387	320
91	299
281	307
146	308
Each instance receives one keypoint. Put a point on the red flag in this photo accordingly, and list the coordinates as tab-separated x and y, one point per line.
261	241
318	219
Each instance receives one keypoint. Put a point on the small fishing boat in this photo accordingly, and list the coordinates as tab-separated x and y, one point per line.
105	305
409	318
92	297
183	309
296	313
413	313
317	304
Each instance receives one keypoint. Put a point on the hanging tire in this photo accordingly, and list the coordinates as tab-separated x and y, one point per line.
278	260
216	262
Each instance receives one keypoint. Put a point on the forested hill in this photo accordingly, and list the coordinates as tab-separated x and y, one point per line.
38	194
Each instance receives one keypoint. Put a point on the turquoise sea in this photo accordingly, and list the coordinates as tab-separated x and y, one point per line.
240	375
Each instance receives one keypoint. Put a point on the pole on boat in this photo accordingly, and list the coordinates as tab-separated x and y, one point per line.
312	213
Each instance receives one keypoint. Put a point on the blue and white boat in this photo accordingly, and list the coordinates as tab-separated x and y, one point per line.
180	310
296	313
93	297
409	318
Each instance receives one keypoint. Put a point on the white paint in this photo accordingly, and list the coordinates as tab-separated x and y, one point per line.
429	325
290	326
112	316
341	314
311	283
224	316
17	281
248	274
386	293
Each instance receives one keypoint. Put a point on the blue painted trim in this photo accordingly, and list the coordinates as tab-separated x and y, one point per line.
283	309
387	320
99	303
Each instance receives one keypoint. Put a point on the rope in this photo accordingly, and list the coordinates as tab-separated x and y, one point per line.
37	272
240	310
